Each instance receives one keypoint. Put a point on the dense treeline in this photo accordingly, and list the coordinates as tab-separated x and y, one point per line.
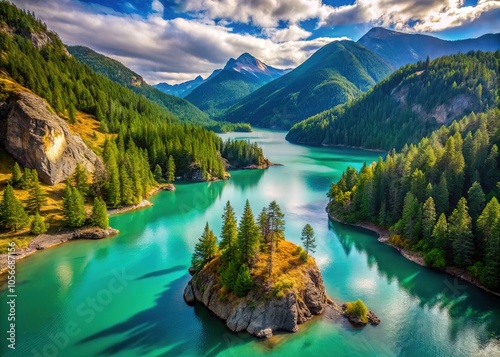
241	153
243	245
404	107
439	197
68	85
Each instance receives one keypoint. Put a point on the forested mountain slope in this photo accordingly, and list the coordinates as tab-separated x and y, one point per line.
439	197
117	72
408	105
335	74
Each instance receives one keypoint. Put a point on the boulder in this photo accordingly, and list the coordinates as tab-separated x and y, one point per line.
39	139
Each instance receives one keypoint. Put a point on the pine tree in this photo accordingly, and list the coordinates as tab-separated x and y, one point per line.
80	178
27	179
263	222
243	282
72	113
276	221
476	199
100	214
170	174
491	273
73	207
229	234
488	218
205	249
38	226
126	193
308	239
17	175
440	233
37	197
441	196
248	236
158	174
460	230
112	185
410	220
428	219
12	213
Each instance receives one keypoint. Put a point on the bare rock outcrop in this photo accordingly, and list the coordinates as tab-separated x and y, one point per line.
41	140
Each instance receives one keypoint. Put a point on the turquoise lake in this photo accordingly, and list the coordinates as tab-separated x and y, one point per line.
122	296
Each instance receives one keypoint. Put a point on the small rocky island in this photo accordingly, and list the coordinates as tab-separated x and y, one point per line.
258	282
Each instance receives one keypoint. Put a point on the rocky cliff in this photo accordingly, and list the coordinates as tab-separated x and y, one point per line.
263	311
41	140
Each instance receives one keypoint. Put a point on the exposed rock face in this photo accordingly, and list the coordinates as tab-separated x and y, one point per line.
39	139
260	313
356	320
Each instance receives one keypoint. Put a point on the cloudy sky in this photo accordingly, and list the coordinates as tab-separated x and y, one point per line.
175	40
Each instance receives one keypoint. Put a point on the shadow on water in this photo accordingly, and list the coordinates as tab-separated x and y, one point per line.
163	326
163	272
245	179
467	305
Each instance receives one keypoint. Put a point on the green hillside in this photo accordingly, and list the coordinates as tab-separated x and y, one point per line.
237	79
408	105
335	74
117	72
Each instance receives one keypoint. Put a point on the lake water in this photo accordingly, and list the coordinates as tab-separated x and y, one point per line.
122	296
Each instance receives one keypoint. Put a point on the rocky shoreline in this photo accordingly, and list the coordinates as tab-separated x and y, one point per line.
45	241
263	311
415	257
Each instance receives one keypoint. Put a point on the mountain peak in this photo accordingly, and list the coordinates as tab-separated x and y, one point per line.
380	33
246	63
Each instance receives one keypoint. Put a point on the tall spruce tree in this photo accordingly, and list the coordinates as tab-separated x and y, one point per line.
37	197
440	233
441	196
80	178
12	213
229	234
248	236
460	230
428	219
170	174
476	199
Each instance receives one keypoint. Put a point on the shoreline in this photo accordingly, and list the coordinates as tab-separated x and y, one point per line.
415	257
46	241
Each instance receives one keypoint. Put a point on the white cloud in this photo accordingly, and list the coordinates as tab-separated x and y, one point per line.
408	15
172	50
179	49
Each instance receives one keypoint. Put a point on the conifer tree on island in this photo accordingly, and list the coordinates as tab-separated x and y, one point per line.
248	236
205	249
308	239
229	234
12	213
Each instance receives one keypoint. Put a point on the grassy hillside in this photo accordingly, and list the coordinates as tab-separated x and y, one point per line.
408	105
118	73
335	74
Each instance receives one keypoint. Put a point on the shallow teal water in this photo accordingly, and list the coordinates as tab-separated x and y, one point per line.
123	296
